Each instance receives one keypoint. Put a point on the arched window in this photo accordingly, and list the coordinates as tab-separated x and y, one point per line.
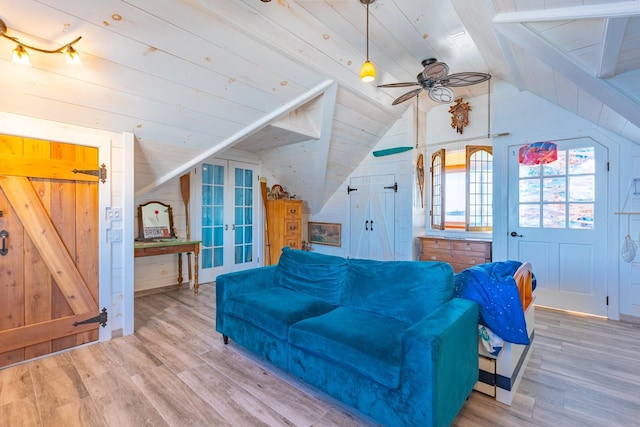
462	189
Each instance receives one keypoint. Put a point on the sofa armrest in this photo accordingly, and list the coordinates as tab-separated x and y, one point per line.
440	364
231	284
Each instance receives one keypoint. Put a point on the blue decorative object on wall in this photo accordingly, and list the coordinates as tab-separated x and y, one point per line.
389	151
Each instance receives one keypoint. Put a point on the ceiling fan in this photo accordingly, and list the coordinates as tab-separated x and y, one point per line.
436	79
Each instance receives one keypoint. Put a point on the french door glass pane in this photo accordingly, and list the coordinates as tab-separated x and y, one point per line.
212	215
243	215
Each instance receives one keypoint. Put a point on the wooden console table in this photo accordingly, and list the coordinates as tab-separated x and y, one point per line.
171	246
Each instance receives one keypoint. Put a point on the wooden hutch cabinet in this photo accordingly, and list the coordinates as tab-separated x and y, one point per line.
460	253
284	226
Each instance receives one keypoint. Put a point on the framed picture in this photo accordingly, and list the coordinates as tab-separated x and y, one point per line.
325	233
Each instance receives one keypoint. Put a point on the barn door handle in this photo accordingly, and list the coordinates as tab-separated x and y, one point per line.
371	225
4	234
366	225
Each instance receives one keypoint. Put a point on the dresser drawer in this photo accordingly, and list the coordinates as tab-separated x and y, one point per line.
292	211
292	229
460	253
293	243
436	244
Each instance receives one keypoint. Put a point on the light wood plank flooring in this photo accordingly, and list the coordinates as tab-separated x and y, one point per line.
175	371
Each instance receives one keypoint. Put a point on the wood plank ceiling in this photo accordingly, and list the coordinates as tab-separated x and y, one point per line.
193	78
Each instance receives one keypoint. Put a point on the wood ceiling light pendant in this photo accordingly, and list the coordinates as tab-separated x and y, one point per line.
368	70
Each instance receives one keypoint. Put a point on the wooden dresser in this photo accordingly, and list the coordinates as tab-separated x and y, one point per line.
284	227
460	253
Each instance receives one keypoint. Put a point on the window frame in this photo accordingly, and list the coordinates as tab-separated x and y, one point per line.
437	171
437	198
471	150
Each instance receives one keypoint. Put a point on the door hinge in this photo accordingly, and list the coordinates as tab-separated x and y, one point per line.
608	167
100	173
393	187
607	299
100	318
349	189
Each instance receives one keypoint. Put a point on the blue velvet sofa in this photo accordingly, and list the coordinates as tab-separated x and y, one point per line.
385	337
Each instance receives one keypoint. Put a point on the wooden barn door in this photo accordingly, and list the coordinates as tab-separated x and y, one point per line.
48	247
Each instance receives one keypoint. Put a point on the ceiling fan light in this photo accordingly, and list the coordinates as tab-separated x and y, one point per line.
73	57
368	72
21	56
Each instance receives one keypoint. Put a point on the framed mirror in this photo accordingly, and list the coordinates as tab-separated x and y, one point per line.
155	221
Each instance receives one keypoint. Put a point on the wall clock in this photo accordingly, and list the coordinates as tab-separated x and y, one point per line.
460	115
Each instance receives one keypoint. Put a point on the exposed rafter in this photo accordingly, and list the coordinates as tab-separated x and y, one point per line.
612	43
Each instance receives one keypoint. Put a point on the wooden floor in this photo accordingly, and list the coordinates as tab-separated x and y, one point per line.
175	371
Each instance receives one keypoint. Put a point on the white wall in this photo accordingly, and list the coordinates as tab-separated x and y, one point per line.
115	151
162	270
630	202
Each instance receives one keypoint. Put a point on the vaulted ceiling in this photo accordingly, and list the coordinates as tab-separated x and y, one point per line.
279	79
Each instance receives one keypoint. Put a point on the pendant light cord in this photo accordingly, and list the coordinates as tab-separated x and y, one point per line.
367	31
489	109
417	118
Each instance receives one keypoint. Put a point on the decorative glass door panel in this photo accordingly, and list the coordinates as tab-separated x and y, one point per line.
560	194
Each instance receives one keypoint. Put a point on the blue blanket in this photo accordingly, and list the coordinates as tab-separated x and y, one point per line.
492	286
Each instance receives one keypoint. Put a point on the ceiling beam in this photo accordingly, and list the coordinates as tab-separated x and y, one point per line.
614	31
599	89
595	11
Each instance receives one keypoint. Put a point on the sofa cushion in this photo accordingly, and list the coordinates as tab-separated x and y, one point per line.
366	342
275	309
405	290
319	275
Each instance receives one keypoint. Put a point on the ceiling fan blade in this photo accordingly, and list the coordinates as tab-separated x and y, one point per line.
404	84
464	79
436	71
406	96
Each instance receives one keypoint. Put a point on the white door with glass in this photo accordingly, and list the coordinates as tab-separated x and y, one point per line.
229	218
557	221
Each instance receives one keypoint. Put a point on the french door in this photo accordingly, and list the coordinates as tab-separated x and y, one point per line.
557	221
229	221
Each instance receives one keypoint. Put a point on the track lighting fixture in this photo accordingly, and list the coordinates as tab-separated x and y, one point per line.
368	70
21	56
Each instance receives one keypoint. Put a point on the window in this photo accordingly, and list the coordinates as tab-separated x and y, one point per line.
560	194
462	189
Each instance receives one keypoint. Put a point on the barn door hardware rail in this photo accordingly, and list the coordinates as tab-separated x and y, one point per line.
100	173
3	235
100	318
